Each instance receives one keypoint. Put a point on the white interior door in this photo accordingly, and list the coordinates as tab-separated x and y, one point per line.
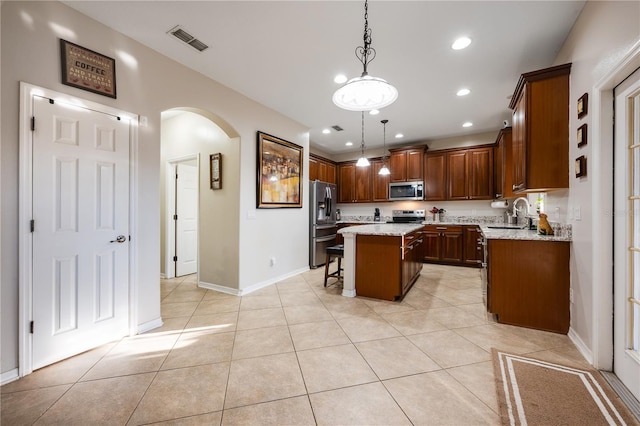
626	330
80	236
187	219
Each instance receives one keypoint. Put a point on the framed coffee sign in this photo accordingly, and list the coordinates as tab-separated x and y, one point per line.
87	70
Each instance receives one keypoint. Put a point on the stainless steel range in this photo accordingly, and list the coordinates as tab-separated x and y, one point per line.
407	216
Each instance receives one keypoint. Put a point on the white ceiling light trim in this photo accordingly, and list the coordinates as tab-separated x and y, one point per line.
463	92
365	93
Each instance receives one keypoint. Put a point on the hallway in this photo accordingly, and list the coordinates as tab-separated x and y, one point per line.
292	353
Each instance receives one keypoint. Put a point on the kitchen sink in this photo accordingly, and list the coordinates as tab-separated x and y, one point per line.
506	226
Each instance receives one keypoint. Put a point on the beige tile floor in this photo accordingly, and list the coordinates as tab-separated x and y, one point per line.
294	353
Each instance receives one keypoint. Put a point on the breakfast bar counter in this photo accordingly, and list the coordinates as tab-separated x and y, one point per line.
381	260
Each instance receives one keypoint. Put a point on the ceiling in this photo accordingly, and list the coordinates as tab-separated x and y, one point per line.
285	54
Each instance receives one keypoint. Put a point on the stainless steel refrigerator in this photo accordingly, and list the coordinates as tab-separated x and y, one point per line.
322	224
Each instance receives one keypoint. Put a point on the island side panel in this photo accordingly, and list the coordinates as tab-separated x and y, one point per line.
378	266
529	283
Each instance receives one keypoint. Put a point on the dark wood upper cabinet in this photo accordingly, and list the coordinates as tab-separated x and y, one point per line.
380	189
457	175
540	138
435	168
346	183
322	169
469	174
406	165
503	165
355	184
480	175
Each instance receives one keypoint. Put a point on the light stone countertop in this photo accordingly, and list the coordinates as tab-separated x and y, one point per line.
522	234
393	229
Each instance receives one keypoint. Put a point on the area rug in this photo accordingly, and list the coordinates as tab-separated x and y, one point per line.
536	392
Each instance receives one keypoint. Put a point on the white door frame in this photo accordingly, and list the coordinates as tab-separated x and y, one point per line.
602	228
170	201
25	194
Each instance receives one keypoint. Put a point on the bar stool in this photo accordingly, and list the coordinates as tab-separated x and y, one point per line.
334	252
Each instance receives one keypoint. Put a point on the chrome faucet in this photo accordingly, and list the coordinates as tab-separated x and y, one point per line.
525	210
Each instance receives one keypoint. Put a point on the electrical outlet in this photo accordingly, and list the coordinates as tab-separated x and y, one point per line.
571	295
577	213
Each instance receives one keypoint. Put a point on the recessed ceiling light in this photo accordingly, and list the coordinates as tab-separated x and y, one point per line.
463	92
326	131
374	112
349	143
461	43
467	124
399	135
340	78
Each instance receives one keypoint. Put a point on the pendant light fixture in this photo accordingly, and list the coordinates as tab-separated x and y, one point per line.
365	93
362	161
384	170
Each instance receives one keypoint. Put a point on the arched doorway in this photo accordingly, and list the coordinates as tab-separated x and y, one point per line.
188	138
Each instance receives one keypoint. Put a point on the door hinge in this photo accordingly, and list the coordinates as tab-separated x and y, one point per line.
31	327
33	124
32	225
175	258
175	217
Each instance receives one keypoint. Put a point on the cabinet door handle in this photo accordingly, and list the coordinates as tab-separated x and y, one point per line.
498	195
441	228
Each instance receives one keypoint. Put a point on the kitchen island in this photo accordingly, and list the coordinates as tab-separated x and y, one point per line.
381	261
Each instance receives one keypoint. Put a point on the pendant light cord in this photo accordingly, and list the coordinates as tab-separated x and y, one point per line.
362	142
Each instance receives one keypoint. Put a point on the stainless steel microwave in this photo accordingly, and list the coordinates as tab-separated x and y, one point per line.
402	191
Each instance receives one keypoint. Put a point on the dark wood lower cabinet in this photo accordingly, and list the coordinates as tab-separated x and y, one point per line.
458	245
443	244
473	249
528	283
385	268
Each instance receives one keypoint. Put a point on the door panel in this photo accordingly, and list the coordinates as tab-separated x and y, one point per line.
626	325
187	223
80	206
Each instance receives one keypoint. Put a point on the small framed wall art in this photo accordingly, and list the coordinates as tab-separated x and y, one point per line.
279	173
215	161
87	70
583	105
581	166
581	136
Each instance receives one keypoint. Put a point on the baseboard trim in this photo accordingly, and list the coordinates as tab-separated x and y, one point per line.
9	376
272	281
251	288
219	288
150	325
582	348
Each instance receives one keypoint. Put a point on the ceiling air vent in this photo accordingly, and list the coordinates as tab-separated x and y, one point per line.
337	128
184	36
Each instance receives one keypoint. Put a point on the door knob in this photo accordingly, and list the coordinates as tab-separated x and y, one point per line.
119	239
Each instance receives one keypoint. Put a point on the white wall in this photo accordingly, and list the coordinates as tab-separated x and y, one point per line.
603	34
147	83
